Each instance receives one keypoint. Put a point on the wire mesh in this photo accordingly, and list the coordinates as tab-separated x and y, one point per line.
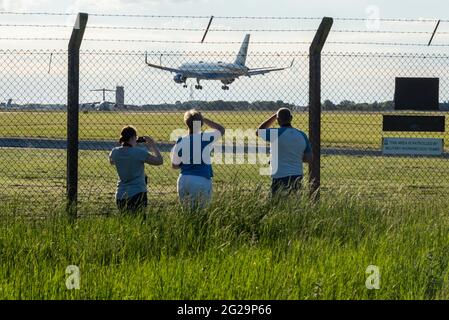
34	90
155	104
356	90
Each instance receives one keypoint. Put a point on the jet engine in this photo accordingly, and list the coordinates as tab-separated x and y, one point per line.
179	78
227	81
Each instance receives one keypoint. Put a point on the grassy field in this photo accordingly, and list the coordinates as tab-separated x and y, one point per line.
338	129
383	211
242	247
39	174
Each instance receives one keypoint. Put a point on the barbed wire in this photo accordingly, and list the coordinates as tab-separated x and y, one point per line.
226	17
35	25
36	13
391	44
218	29
151	40
227	42
106	27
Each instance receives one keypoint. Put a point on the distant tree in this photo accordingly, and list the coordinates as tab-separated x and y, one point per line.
328	105
387	105
346	105
444	106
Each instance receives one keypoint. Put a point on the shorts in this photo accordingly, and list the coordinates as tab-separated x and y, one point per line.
194	190
286	184
133	204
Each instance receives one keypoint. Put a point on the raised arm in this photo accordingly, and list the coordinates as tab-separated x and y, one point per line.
111	161
308	156
156	159
175	159
213	125
267	123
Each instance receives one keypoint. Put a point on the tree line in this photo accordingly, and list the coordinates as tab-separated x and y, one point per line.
218	105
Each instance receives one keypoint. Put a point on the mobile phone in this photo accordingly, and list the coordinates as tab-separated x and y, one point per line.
141	140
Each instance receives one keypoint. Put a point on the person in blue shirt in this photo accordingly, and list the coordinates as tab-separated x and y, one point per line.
192	156
289	148
129	160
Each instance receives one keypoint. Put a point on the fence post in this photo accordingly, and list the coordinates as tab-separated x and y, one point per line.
315	104
73	112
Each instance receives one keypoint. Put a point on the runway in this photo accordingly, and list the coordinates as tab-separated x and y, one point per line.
105	145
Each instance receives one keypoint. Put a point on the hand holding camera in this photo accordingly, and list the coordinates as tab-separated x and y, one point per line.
141	140
147	140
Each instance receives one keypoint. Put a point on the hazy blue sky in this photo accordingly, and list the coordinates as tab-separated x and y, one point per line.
144	85
389	9
430	9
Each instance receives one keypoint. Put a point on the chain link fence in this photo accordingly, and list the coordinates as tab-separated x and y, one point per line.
357	90
117	88
33	86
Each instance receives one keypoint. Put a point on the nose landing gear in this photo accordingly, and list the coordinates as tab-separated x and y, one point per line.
225	88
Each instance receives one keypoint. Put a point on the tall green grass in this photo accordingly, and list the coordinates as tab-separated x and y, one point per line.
245	246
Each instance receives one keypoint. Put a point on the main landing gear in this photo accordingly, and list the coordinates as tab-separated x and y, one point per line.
225	88
198	86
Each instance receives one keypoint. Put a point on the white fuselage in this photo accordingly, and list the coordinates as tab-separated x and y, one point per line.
212	71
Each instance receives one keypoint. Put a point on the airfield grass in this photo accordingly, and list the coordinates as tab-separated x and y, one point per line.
339	129
39	174
37	171
244	246
385	211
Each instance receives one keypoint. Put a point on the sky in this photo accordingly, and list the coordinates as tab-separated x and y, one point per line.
352	8
33	74
372	9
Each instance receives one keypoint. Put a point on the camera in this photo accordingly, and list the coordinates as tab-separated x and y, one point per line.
141	140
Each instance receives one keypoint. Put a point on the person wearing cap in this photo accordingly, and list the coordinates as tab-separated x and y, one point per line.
289	148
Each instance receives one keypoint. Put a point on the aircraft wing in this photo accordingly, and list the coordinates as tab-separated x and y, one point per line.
257	71
161	67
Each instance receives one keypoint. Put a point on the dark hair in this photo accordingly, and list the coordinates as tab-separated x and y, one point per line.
127	133
284	115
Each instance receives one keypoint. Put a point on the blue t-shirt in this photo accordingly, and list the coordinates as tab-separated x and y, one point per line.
130	164
193	154
288	146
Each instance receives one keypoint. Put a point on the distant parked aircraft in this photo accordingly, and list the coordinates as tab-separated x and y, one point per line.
225	72
103	105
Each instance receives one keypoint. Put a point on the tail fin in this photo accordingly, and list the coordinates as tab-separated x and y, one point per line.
241	57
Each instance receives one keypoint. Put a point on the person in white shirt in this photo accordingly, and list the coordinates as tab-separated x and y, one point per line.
289	148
